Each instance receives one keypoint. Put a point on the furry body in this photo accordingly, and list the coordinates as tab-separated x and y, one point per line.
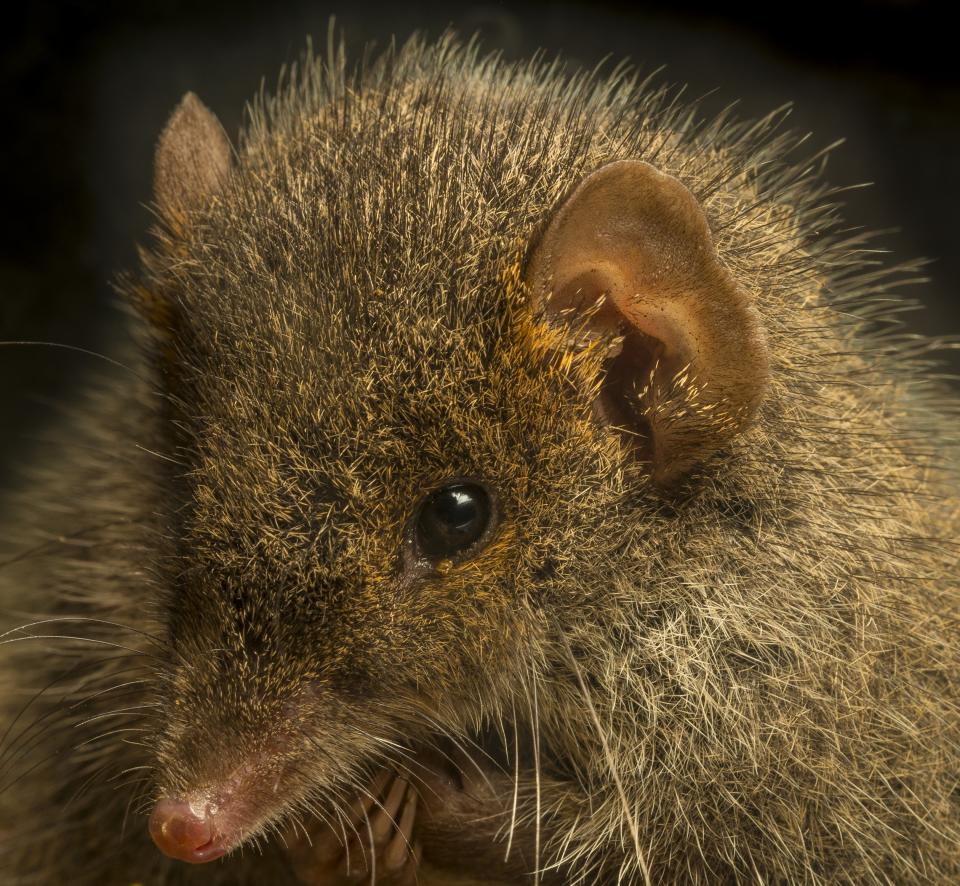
766	656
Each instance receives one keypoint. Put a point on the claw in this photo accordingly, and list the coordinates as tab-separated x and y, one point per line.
379	832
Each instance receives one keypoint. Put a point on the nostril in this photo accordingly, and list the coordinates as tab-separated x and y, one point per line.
181	833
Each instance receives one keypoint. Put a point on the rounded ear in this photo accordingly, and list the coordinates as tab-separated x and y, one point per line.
629	257
192	162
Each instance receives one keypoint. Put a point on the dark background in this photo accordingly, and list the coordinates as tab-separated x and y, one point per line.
86	88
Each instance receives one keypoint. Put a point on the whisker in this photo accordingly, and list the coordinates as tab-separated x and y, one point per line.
116	713
24	747
516	781
123	772
134	798
83	787
373	850
92	640
21	736
24	774
84	619
535	722
611	762
67	538
76	349
104	735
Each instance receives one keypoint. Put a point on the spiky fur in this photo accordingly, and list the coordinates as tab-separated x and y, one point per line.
753	677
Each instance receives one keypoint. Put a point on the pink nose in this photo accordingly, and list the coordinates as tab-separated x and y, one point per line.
180	833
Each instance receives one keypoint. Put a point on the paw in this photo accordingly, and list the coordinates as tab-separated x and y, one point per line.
371	843
460	786
466	823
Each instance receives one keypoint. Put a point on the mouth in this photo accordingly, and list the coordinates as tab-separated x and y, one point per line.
205	825
196	830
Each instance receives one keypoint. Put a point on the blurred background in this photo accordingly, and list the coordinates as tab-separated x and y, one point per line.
86	88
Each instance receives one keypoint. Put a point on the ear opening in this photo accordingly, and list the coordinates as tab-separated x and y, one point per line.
629	258
587	313
622	401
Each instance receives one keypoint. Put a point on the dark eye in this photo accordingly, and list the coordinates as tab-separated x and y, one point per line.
452	519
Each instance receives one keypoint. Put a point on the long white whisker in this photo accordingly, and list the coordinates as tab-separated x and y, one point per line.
535	720
516	781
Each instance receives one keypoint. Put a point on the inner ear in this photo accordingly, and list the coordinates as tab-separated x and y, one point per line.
585	306
628	373
629	258
585	296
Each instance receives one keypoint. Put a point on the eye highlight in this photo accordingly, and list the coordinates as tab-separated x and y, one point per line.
452	520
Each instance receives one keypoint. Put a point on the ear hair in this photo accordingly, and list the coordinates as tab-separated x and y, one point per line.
629	256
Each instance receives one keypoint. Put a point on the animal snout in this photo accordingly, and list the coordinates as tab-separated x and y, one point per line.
186	831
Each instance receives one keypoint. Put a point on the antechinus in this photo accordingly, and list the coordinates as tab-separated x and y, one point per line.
519	472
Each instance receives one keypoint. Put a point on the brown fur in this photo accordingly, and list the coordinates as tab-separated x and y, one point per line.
752	676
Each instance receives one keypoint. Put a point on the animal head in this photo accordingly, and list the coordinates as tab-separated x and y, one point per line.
435	359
